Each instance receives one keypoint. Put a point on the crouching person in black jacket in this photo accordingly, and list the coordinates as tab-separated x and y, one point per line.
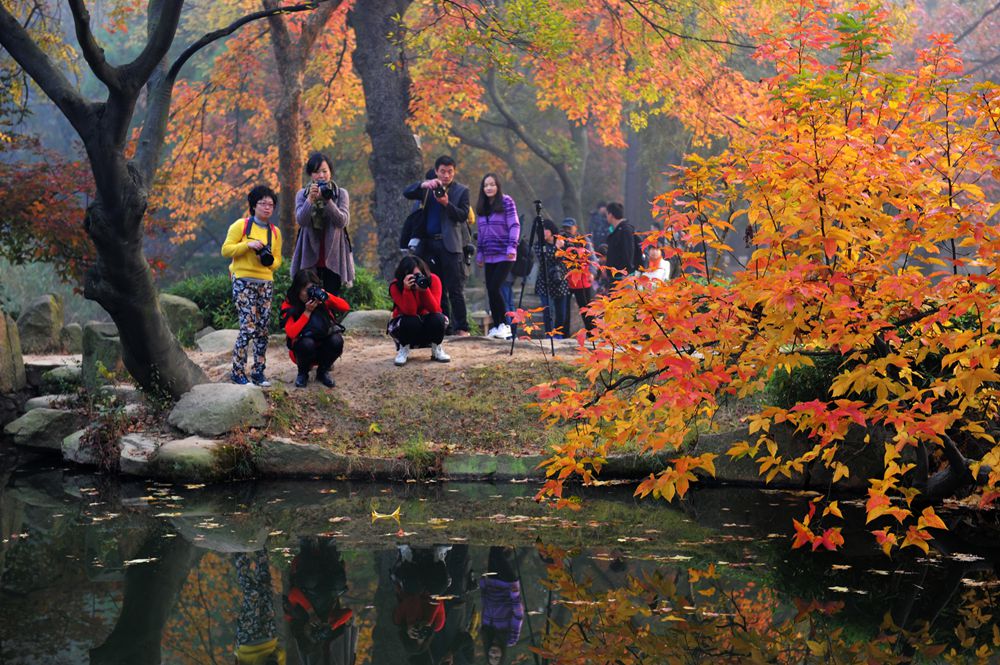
313	335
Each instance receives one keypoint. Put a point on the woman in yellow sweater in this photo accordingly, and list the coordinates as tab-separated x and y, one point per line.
254	245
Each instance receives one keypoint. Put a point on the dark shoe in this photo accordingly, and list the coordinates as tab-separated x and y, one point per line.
260	380
238	379
323	376
301	380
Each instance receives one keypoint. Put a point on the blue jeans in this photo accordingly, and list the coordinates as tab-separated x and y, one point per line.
556	311
507	291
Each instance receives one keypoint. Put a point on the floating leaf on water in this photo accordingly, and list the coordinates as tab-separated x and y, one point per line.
443	598
839	589
336	520
878	572
394	515
458	539
328	491
194	486
840	566
440	520
962	556
168	514
276	533
135	562
520	480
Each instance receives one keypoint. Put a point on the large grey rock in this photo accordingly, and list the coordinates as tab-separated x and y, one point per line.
207	330
182	315
137	453
218	341
73	452
12	376
193	458
280	457
44	428
124	393
61	379
71	337
101	346
36	366
212	409
369	321
47	402
40	324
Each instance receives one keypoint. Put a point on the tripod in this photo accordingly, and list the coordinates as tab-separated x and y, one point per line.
536	238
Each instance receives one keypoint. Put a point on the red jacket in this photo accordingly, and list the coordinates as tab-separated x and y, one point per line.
294	326
409	302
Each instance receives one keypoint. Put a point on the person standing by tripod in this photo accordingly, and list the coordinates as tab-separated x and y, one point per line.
551	286
496	249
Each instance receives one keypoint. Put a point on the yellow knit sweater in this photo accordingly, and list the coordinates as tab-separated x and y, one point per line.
245	262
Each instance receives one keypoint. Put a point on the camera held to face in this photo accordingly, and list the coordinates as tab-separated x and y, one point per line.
316	293
265	256
440	191
421	281
328	189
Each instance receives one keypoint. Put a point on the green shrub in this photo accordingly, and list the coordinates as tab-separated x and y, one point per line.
804	383
214	295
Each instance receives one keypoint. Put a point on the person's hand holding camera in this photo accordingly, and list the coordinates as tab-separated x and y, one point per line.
314	193
431	184
255	245
311	305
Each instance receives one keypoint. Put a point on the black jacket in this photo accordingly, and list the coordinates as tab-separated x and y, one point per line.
456	213
621	248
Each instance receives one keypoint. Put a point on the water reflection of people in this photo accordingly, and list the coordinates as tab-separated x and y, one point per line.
256	632
323	631
420	574
454	645
503	610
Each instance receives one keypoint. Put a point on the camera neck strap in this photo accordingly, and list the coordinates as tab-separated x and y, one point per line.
249	224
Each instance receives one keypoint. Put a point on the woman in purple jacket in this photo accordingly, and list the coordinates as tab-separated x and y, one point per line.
503	611
498	228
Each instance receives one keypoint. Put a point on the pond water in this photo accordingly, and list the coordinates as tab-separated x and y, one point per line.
95	571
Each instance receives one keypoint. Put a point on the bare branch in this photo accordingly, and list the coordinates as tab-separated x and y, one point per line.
161	36
22	48
92	51
968	31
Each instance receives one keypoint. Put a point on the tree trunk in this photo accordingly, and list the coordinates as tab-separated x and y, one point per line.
151	590
287	117
637	207
395	161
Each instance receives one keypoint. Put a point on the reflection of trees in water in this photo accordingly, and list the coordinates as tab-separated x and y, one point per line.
710	614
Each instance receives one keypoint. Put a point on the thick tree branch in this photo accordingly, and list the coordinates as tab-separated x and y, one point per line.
975	24
316	22
161	88
161	36
92	51
22	48
514	124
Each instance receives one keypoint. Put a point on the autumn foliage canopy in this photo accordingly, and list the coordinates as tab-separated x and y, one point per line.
865	195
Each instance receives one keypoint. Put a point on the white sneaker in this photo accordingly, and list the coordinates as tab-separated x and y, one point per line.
503	331
493	333
402	355
438	354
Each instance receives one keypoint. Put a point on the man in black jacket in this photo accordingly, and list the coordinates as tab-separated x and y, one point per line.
446	213
621	244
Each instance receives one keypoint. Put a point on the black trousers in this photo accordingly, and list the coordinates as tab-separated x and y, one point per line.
415	331
496	275
583	298
331	281
321	352
448	266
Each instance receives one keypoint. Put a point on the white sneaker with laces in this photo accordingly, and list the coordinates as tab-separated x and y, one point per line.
503	331
438	354
402	355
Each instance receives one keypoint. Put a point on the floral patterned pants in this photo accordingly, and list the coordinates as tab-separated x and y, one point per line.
253	306
256	619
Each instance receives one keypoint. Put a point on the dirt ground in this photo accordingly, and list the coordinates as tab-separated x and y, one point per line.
478	402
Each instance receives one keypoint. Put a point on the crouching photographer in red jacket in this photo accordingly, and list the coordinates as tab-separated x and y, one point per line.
314	337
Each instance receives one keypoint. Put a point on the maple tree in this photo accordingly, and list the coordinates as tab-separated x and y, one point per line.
120	279
869	244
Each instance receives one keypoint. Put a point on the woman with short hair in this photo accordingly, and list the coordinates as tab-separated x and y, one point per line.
254	245
323	212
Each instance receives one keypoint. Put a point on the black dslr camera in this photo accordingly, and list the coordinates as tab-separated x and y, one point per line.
422	281
468	251
316	293
328	189
440	191
265	256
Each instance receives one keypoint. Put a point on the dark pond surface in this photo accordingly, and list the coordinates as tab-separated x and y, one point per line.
100	572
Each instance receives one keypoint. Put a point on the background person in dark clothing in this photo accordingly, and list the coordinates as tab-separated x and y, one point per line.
446	213
621	245
598	223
